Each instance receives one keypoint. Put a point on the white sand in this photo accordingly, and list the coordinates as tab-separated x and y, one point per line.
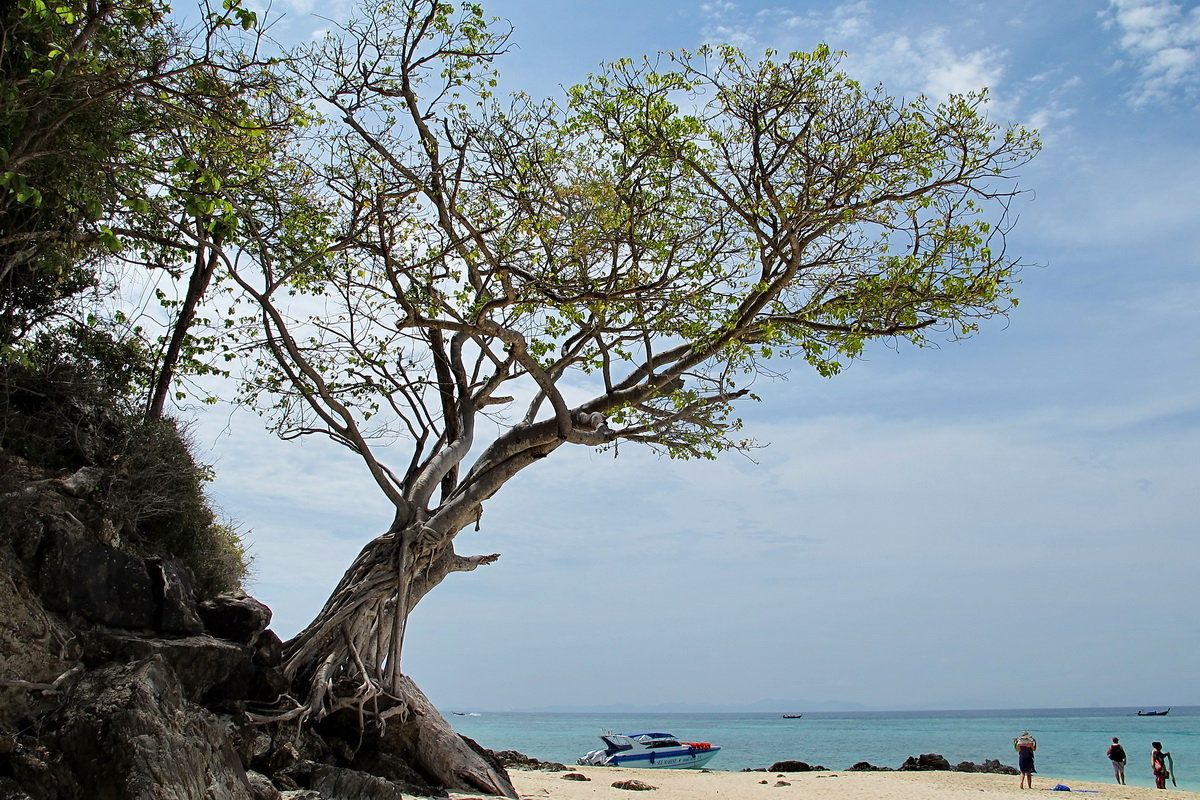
687	784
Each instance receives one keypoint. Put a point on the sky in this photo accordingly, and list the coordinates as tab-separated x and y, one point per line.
1004	522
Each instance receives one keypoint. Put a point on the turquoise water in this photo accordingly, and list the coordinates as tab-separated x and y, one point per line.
1071	742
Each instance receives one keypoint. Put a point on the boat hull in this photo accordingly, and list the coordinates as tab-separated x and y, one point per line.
670	760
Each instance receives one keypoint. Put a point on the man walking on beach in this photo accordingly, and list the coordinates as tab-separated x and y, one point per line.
1116	754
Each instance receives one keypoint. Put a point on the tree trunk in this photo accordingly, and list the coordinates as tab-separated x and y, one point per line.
349	657
436	749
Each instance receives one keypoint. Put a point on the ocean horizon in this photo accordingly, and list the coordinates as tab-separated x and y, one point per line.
1071	741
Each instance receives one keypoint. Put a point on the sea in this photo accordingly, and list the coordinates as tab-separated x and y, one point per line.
1072	742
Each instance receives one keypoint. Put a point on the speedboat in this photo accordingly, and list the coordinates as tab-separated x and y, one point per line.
649	751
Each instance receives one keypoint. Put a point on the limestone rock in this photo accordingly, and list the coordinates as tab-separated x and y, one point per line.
925	762
261	787
235	616
991	765
268	649
101	584
634	786
349	784
511	759
128	734
213	672
794	766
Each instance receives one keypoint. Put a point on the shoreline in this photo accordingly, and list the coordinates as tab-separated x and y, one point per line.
690	784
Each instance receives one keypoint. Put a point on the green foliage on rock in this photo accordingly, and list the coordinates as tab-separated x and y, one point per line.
65	407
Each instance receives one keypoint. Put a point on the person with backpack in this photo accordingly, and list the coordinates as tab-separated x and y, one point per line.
1025	744
1116	754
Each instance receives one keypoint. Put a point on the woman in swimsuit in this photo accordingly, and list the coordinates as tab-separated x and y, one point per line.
1158	762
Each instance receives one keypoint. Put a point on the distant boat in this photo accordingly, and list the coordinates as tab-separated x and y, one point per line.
792	716
1145	713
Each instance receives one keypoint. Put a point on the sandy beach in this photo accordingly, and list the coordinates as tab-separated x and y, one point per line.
683	784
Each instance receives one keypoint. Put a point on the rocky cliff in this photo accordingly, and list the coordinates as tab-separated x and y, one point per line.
118	683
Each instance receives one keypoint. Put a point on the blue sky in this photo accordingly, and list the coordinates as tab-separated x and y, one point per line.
1008	521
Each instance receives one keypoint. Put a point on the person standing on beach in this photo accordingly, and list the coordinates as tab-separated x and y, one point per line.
1025	745
1116	754
1158	762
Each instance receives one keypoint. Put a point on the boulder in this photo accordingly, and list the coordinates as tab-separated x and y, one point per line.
867	766
268	649
991	766
348	784
511	759
794	766
235	616
102	584
261	787
128	733
925	762
213	672
34	647
634	786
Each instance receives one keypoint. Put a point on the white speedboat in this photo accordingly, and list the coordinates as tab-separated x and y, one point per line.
649	751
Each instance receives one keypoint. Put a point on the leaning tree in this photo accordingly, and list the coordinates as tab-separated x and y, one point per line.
617	268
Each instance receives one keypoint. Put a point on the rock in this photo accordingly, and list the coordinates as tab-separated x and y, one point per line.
990	766
33	648
794	766
108	586
235	616
261	787
782	783
83	482
213	672
349	784
634	786
867	766
127	733
268	649
925	762
10	790
511	759
370	751
575	776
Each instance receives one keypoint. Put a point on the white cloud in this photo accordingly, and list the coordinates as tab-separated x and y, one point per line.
930	63
921	59
1164	41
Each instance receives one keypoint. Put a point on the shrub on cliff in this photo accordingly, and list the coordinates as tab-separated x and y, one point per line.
65	404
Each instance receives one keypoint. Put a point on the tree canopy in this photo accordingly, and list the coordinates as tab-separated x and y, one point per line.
455	285
472	283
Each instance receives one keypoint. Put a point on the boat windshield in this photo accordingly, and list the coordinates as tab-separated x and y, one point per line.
615	743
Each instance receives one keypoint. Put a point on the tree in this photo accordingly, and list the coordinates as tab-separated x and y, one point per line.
619	269
122	136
